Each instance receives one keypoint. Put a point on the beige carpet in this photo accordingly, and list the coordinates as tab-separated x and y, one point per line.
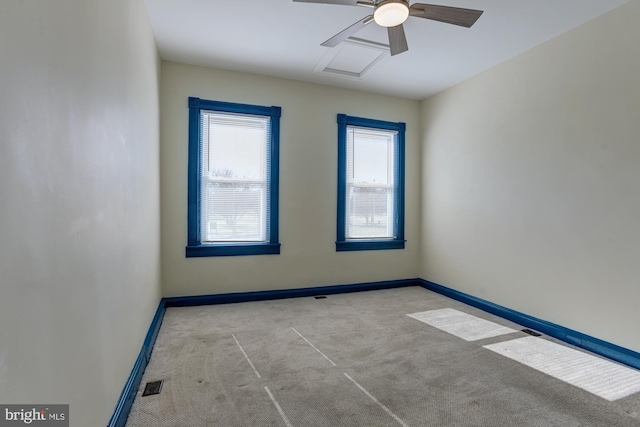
352	360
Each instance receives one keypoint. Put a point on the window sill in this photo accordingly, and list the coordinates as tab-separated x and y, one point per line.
369	245
233	249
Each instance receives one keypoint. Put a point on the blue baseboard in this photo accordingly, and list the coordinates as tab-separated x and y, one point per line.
595	345
128	395
285	293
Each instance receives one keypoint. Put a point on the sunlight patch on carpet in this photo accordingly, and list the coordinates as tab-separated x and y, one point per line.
462	325
601	377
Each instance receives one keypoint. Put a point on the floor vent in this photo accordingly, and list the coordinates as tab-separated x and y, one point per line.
320	297
152	388
532	333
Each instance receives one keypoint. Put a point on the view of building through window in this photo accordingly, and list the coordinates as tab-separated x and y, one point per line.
370	183
234	177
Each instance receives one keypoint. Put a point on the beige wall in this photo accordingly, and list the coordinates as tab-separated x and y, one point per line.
531	181
79	200
308	181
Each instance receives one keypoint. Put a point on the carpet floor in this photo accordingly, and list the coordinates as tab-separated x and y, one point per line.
360	359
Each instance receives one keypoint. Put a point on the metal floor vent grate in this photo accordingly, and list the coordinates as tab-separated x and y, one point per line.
152	388
532	333
320	297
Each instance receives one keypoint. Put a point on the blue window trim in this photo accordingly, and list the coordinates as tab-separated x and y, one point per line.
195	248
342	243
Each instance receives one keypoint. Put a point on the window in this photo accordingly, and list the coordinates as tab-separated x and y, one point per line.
370	184
233	179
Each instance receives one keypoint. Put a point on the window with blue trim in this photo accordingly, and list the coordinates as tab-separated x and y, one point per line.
233	179
370	184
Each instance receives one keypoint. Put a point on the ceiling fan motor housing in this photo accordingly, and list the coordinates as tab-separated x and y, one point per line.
391	13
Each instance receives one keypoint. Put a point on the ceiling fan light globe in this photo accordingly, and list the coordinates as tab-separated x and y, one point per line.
391	13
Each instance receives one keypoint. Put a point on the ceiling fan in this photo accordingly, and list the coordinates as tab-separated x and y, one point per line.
392	13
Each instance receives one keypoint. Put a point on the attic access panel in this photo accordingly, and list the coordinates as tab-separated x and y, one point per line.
354	58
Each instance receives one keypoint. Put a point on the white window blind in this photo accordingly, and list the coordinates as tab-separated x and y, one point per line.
234	177
370	183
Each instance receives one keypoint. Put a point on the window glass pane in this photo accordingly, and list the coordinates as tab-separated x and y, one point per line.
234	170
237	148
370	183
370	157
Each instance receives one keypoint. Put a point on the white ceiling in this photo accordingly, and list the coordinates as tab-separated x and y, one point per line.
282	38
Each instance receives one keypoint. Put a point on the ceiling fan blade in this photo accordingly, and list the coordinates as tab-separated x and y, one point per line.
344	2
397	40
347	32
450	15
